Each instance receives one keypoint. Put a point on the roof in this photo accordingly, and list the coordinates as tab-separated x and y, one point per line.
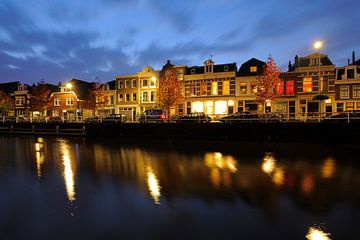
244	69
305	61
81	88
9	87
227	67
357	62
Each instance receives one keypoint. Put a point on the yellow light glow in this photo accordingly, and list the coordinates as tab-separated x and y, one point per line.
269	163
328	100
316	233
318	44
153	185
217	160
231	103
197	107
68	173
214	88
40	140
328	168
38	146
220	107
153	78
69	85
278	177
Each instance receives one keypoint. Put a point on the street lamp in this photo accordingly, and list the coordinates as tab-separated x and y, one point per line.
318	45
69	86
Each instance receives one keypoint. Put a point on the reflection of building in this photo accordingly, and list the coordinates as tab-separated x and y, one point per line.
210	88
347	86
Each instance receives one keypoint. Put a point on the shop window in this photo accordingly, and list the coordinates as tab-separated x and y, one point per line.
290	88
344	92
243	88
240	106
307	84
209	107
220	107
197	107
250	106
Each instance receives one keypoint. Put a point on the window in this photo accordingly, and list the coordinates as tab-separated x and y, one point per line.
214	88
145	97
243	88
202	88
251	106
349	106
193	71
290	87
127	97
226	68
314	61
356	91
134	97
226	88
339	107
112	100
280	88
358	106
19	100
120	97
145	83
253	87
69	101
121	84
192	89
56	101
240	106
253	69
350	73
134	83
344	92
153	82
152	96
307	84
180	75
127	83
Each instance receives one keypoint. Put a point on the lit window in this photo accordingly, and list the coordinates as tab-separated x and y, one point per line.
56	101
280	88
356	91
153	82
220	107
197	107
349	106
253	87
344	92
203	89
214	88
226	88
69	101
243	88
290	87
145	97
253	69
209	107
307	84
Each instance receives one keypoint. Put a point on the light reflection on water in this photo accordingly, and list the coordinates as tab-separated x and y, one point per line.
267	184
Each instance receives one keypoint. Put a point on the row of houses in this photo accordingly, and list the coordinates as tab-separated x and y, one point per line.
215	89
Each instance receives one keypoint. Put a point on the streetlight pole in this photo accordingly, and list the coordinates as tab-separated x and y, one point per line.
318	45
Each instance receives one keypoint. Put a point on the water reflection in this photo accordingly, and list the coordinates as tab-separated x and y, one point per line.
153	185
68	172
328	168
39	155
268	164
316	233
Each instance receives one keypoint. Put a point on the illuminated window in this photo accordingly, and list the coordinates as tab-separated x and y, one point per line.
214	88
280	88
145	97
226	88
253	87
253	69
307	84
220	107
197	107
153	82
203	89
290	87
344	92
243	88
356	91
209	107
56	101
69	101
349	106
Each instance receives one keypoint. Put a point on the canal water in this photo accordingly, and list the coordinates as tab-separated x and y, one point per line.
77	188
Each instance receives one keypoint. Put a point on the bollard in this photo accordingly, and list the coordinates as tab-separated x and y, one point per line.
84	131
57	129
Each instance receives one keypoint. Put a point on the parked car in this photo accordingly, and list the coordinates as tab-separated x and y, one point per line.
56	119
344	117
197	117
114	118
93	120
239	117
272	117
153	115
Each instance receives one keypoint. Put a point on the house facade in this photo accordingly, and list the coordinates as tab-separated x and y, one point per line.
105	105
210	88
21	100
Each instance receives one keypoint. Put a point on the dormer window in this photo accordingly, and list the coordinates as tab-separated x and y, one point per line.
193	70
209	66
226	68
21	88
253	69
105	87
314	61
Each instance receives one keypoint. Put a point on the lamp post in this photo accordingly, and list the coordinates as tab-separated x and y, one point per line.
317	46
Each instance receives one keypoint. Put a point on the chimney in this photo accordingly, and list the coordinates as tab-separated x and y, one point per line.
353	57
289	66
296	59
348	61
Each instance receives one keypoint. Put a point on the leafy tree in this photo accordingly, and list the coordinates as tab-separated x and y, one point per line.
95	97
39	97
268	82
6	103
169	91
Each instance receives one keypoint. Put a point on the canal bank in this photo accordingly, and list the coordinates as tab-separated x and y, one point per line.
268	132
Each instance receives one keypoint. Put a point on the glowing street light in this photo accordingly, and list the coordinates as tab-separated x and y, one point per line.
69	86
318	45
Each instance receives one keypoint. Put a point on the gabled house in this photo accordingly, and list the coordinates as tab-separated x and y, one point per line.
105	104
7	101
21	100
74	101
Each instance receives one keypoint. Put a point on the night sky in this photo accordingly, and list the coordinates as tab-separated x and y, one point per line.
57	40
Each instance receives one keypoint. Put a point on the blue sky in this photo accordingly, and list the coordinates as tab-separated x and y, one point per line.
57	40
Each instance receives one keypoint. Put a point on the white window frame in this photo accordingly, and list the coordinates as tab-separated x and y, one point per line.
57	102
356	88
344	88
69	101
